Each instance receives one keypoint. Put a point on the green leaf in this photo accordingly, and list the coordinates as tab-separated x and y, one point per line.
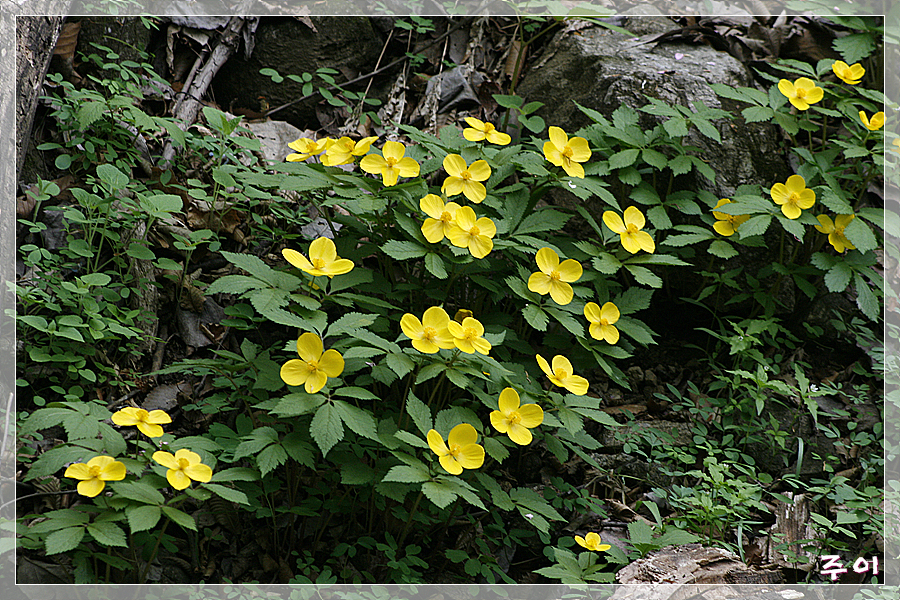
298	403
408	474
108	534
440	493
722	249
645	276
435	265
865	298
270	458
180	518
625	158
860	235
755	225
142	518
606	263
792	226
681	164
420	413
412	440
838	277
227	493
399	363
401	250
855	46
235	474
355	392
357	420
326	428
655	159
545	219
89	112
495	449
356	472
535	316
64	540
353	320
640	533
357	277
530	500
756	114
138	491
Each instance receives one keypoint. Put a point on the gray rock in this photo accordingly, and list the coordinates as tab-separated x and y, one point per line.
602	69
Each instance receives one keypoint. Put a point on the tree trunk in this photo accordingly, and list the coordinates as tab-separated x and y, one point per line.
35	40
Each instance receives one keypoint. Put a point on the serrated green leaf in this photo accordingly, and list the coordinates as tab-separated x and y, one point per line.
227	493
403	250
624	158
142	518
681	164
865	298
326	428
87	113
860	235
529	499
420	413
357	419
855	46
545	219
439	493
353	320
399	363
535	316
606	263
64	540
357	277
235	474
270	458
430	371
838	277
412	440
640	533
138	491
180	518
755	225
756	114
655	159
435	265
298	403
408	474
644	276
108	534
495	449
722	249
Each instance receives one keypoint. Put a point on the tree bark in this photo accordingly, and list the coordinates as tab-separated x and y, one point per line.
35	40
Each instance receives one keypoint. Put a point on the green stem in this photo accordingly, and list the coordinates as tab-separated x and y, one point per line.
143	575
409	521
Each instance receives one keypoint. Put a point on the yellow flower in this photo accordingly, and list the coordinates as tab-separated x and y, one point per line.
802	92
848	74
147	423
465	179
183	466
727	224
875	124
94	475
630	234
562	374
479	130
314	367
467	336
467	232
554	276
567	153
391	165
592	542
601	320
441	218
305	148
835	231
323	259
460	452
514	420
430	334
342	151
793	196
